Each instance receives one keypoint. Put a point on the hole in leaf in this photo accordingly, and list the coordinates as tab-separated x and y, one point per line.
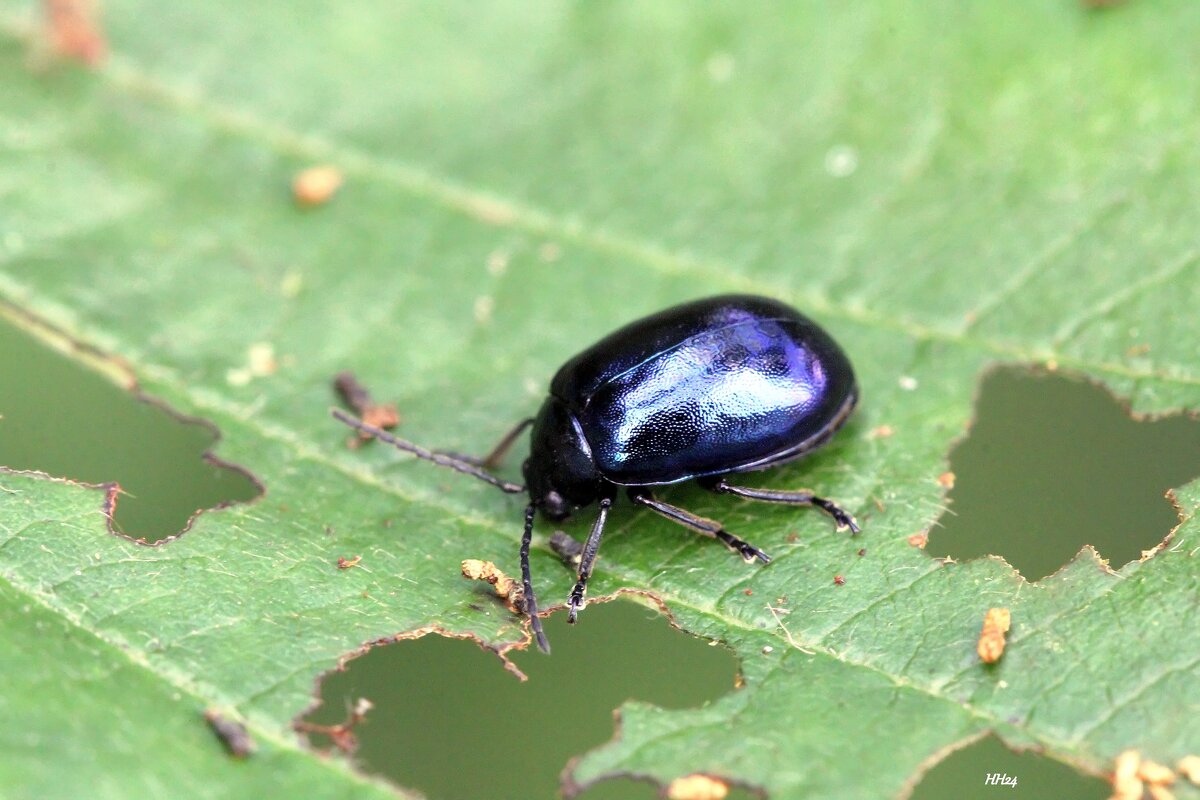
61	418
964	773
450	721
1053	463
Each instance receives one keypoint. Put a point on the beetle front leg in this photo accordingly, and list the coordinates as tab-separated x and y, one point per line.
590	548
798	497
708	527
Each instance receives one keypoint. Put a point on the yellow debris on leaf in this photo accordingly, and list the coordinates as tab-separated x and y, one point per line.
316	185
991	639
697	787
1126	784
1189	767
507	589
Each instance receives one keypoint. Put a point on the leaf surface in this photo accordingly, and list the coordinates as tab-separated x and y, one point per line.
943	187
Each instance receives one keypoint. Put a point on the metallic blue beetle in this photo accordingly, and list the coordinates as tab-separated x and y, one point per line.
699	391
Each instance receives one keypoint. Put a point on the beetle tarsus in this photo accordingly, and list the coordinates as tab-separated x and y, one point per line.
708	527
743	548
841	518
791	497
575	604
587	560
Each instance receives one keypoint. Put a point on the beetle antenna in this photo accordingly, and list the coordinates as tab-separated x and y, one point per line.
441	459
535	622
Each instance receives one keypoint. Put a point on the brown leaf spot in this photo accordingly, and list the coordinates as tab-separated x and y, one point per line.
347	563
919	539
946	480
881	432
1138	350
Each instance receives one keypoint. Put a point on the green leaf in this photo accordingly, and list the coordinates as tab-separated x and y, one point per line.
944	186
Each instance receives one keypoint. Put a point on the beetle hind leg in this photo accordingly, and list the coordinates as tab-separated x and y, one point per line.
701	525
796	497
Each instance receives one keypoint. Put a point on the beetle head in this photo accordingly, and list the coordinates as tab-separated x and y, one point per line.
560	472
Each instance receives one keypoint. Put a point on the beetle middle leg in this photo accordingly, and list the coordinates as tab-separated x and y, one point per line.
708	527
587	560
797	497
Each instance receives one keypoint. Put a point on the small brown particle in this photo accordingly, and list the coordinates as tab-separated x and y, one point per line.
881	432
919	539
232	733
839	580
347	563
747	592
697	787
946	480
1126	784
1189	767
316	185
862	552
793	537
356	396
507	589
991	639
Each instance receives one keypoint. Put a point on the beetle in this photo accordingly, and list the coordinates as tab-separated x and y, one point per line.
699	391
